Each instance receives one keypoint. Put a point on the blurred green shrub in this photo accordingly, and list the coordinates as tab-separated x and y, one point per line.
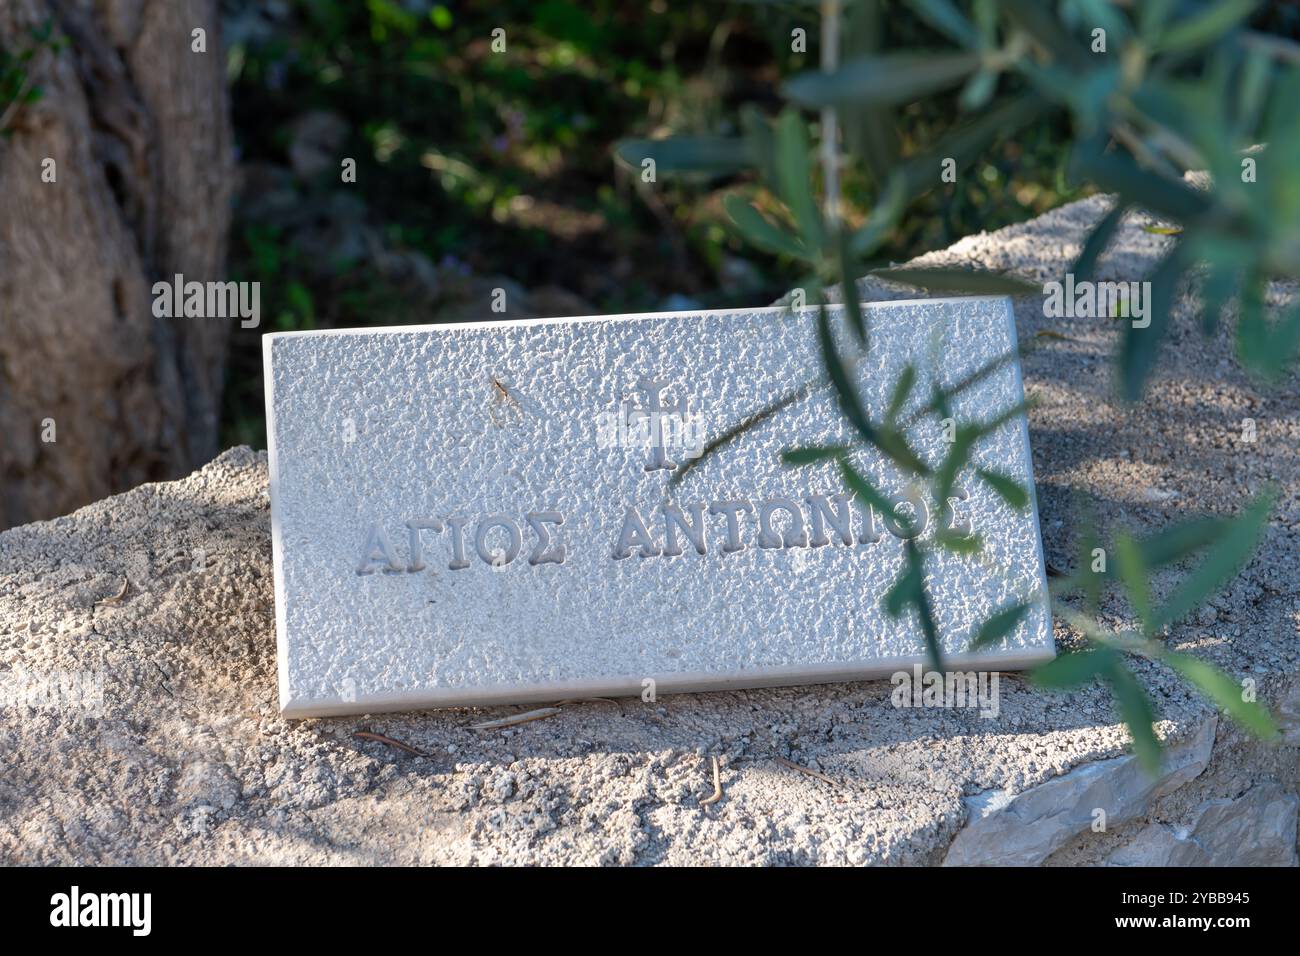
1150	94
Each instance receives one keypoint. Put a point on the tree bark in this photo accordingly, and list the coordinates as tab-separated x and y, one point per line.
138	126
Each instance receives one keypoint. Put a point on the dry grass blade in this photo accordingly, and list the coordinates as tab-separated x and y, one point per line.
367	735
116	598
1057	336
717	786
539	714
805	770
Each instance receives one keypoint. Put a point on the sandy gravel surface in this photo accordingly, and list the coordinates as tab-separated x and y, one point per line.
186	759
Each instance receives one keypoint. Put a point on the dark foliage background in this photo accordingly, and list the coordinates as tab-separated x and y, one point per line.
475	166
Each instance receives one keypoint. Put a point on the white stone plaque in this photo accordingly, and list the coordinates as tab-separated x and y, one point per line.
481	513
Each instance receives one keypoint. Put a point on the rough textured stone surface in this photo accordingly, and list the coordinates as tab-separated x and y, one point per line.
190	762
1256	829
487	424
1025	829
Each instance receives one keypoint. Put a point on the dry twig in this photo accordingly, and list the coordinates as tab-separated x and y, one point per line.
513	719
808	770
116	598
717	786
367	735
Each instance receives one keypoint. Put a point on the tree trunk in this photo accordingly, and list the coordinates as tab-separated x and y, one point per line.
138	127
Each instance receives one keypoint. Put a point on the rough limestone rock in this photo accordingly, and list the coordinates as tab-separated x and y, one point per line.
138	686
1025	829
1256	829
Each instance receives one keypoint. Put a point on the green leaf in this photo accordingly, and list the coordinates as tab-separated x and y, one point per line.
979	90
944	17
894	444
899	595
1152	17
1219	285
963	445
1224	691
1252	93
849	292
1134	575
882	219
1252	325
902	390
1141	345
1193	111
1280	127
760	141
954	461
999	625
846	394
1135	710
890	441
683	154
969	281
1181	540
762	233
883	79
964	544
813	455
985	14
1103	13
920	173
869	131
795	178
1037	20
1264	348
1006	488
1221	563
1118	172
921	601
1074	667
864	489
1205	27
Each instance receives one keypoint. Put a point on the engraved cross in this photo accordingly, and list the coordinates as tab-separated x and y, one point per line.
655	408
